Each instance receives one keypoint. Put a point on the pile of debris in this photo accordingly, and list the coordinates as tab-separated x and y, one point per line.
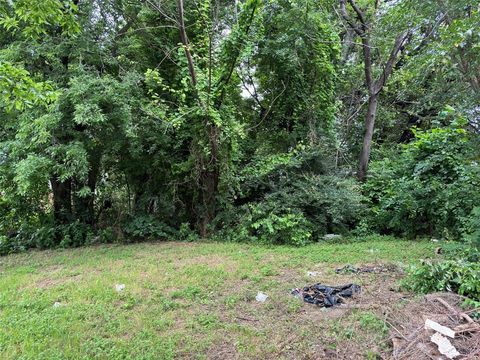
435	329
326	296
372	269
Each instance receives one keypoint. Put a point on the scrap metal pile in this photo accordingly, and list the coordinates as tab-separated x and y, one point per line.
326	296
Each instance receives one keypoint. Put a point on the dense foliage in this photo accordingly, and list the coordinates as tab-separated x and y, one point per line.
460	273
430	187
238	120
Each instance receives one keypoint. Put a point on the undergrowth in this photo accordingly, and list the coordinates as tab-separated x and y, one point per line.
458	272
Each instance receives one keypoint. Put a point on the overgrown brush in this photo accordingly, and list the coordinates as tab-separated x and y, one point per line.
458	273
430	188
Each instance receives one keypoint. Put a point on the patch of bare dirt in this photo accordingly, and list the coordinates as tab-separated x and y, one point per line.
378	293
309	332
222	350
49	282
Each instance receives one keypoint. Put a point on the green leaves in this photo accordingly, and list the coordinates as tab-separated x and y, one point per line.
32	175
431	185
18	91
72	161
454	275
89	114
295	69
289	228
472	228
34	18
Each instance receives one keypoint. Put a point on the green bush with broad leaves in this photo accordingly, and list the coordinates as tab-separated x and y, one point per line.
289	228
292	202
146	227
473	229
460	274
431	187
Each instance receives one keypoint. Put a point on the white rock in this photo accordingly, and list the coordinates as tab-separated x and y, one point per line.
429	324
444	346
120	287
261	297
313	273
331	236
57	304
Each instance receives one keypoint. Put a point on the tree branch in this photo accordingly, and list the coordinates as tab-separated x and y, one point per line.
232	60
359	13
368	64
344	13
400	42
183	36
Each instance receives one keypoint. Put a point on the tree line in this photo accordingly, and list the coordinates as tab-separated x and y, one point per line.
276	121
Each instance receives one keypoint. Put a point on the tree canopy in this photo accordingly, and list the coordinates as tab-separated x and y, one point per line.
276	121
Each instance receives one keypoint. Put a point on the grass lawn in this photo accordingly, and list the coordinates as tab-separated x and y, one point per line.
196	300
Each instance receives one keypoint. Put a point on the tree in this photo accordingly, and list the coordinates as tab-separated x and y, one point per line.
363	27
211	63
59	149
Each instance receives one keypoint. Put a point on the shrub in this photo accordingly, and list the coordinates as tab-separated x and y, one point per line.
430	188
287	198
147	227
459	272
289	228
297	210
473	229
10	245
46	236
186	233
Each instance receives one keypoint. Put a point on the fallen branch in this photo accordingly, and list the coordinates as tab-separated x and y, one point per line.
465	328
246	319
450	307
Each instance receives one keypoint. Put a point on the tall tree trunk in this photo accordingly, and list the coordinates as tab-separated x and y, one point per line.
209	164
183	37
209	179
367	139
62	200
374	86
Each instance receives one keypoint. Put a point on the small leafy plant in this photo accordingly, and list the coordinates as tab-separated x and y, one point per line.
460	275
289	228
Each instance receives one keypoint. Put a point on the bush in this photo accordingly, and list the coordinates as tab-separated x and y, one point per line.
9	245
186	233
289	228
473	229
147	227
46	236
297	210
430	188
74	234
459	273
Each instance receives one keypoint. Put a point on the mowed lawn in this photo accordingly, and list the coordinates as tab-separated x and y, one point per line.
196	300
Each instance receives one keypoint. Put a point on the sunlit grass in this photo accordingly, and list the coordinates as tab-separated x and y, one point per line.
180	299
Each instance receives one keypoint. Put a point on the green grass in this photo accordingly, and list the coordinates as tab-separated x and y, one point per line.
181	300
